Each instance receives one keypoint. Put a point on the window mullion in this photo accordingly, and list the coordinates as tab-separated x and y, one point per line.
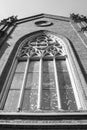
57	84
74	84
6	90
23	85
40	85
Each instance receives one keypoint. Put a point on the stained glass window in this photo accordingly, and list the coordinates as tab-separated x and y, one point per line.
42	81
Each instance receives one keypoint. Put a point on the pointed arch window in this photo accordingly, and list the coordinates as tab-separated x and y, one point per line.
42	78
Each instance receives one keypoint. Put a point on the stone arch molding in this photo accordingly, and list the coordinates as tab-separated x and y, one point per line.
44	43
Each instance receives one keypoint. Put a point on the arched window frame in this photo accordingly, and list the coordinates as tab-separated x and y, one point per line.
73	68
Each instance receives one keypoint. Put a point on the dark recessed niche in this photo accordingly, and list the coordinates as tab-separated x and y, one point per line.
43	23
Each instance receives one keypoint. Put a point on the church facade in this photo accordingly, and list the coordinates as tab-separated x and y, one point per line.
43	72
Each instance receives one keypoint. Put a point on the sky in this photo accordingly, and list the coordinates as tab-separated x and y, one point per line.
26	8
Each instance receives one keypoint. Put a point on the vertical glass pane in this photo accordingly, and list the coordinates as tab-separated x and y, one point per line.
49	96
48	66
31	88
12	100
61	65
32	80
34	66
49	100
48	80
66	92
15	87
17	81
21	66
30	100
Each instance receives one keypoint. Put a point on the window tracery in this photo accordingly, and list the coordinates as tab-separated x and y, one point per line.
41	46
42	79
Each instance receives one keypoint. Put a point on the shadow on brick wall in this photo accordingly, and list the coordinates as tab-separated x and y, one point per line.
79	61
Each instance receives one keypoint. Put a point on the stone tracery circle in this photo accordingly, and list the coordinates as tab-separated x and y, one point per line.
43	44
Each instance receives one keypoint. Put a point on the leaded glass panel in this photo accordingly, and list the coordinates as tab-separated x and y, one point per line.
41	81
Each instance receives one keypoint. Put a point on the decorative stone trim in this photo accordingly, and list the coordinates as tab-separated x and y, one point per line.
43	23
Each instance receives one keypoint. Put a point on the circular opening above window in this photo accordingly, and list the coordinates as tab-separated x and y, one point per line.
43	23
